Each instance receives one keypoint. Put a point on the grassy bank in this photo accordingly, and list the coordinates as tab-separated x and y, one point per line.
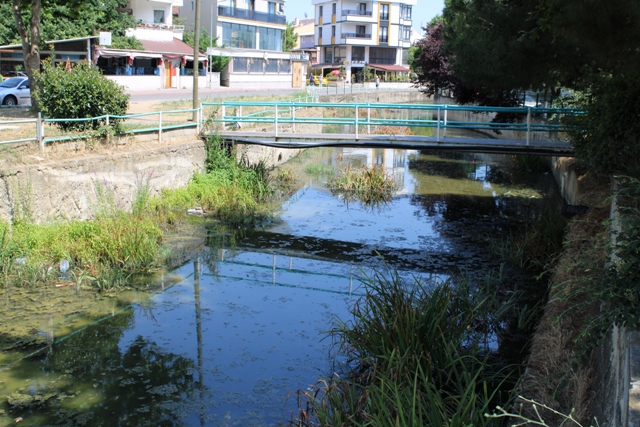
105	251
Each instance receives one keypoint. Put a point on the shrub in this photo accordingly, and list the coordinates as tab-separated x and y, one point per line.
79	92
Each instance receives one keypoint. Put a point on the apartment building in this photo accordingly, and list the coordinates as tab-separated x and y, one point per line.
245	24
355	33
250	32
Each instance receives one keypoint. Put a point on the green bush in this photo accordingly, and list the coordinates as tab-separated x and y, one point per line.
607	139
81	92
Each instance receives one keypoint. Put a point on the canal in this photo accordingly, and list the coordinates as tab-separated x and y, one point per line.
228	338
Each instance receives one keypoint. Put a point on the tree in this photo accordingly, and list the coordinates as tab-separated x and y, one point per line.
289	38
431	64
30	39
189	38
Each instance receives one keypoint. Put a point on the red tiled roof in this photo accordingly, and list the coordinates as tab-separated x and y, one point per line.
389	67
176	46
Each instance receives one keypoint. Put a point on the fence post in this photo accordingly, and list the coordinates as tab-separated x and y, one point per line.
224	112
368	118
438	126
160	126
293	117
198	120
40	131
446	110
356	122
276	120
528	125
108	130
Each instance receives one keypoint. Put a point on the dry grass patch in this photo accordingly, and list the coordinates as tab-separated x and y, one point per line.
555	375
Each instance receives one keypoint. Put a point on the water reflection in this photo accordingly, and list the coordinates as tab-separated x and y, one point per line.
245	324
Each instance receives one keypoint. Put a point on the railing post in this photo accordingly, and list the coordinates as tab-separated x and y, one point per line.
356	122
528	125
368	118
40	132
224	113
160	126
276	120
445	121
293	117
438	126
198	119
108	130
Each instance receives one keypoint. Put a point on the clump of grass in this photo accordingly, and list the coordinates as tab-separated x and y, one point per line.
116	243
418	356
320	169
538	245
370	186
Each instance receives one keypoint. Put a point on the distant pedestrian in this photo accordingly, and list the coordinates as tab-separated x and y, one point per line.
377	82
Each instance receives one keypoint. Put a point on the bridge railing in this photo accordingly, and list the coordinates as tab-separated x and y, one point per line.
359	117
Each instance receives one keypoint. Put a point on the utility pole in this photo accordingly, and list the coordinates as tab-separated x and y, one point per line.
196	61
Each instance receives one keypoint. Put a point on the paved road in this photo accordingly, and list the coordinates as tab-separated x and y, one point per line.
203	93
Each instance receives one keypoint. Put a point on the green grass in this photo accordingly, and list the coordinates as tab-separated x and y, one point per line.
116	243
418	357
370	186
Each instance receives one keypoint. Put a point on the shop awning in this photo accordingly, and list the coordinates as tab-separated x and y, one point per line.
398	68
321	66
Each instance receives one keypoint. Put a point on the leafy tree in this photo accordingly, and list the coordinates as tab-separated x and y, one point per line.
189	38
289	38
124	42
29	32
430	62
81	92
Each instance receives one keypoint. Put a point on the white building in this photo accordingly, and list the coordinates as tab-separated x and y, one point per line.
355	33
250	32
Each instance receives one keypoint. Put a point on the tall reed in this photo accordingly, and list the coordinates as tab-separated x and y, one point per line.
417	355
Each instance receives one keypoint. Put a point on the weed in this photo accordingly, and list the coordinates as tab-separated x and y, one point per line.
370	186
417	355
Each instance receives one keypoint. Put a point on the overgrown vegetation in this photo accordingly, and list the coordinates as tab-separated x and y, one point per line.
116	243
370	186
59	90
417	354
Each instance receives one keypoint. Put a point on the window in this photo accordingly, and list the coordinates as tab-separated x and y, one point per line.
357	53
270	39
382	55
384	35
158	16
405	11
236	35
272	8
384	12
333	31
319	32
362	7
328	55
333	9
360	30
405	33
320	11
340	54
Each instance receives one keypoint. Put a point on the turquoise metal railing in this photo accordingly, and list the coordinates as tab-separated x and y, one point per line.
521	119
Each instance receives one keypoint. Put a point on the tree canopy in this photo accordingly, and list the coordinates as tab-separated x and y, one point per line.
62	19
490	51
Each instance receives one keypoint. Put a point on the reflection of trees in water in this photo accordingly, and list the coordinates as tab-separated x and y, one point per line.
140	386
458	165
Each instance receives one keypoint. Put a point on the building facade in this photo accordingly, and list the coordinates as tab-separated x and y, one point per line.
250	32
351	34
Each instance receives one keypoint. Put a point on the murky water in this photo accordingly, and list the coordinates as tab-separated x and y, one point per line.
239	329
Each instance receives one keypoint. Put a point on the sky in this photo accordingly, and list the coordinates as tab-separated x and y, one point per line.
421	14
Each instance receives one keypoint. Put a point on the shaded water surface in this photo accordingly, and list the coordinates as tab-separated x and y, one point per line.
243	325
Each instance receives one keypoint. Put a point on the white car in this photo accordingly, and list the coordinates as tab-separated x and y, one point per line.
15	91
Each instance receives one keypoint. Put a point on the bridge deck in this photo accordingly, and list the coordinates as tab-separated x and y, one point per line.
411	142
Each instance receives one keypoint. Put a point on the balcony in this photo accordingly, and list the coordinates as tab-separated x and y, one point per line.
368	14
251	15
356	36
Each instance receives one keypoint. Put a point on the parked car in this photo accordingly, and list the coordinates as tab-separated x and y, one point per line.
15	91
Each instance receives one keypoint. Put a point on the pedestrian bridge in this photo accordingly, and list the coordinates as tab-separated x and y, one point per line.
518	130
